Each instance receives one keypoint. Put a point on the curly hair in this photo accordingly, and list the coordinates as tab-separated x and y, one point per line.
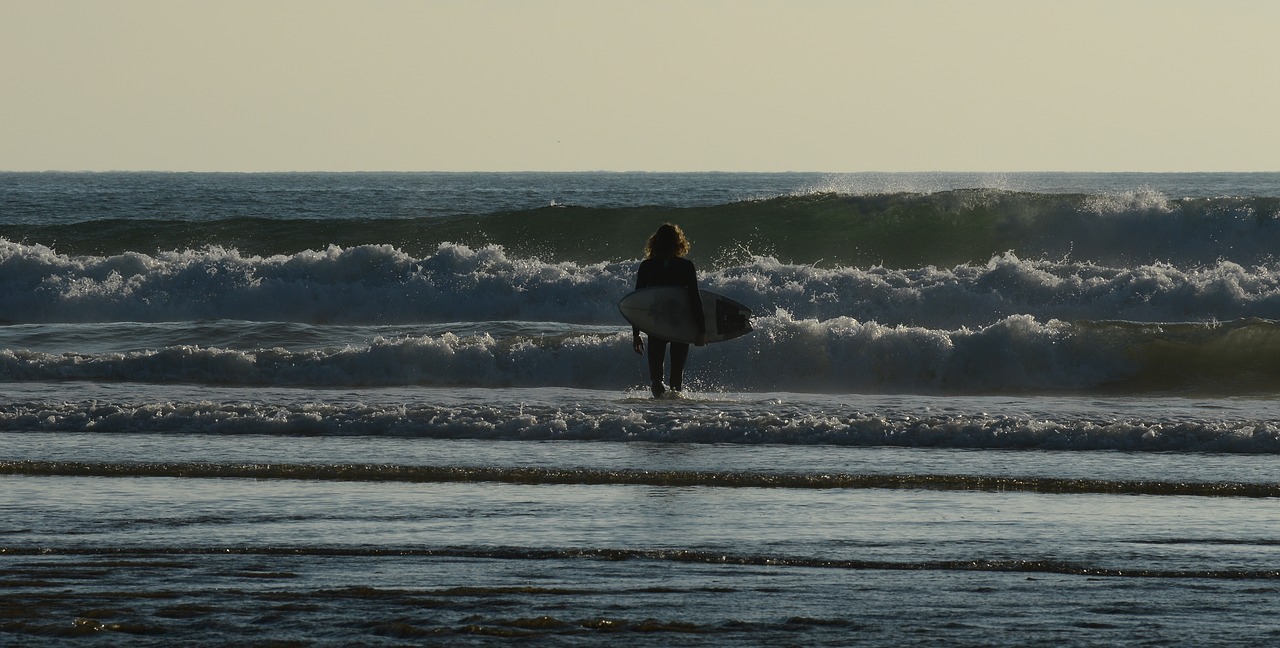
668	241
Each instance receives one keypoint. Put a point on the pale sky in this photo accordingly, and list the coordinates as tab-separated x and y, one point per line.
652	85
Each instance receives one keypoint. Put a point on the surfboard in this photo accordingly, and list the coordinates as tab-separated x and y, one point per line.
664	311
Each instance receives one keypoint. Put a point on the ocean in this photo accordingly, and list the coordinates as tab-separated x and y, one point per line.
314	409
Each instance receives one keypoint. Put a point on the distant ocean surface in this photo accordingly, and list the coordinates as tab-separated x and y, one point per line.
388	408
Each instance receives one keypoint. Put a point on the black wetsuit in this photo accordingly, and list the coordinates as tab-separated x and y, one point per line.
670	271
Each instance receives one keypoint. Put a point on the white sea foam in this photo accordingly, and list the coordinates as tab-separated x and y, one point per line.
1135	201
747	423
381	284
785	353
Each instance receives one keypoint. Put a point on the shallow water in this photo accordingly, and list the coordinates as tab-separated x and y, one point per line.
378	409
329	561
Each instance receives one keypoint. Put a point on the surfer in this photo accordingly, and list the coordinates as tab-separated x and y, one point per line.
664	265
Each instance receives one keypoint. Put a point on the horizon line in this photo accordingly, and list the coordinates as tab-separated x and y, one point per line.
620	172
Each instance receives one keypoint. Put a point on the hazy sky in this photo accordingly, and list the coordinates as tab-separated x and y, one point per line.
733	85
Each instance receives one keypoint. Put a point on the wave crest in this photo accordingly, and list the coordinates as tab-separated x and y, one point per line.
899	230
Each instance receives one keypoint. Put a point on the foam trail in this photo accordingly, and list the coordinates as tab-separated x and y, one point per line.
768	423
841	355
666	478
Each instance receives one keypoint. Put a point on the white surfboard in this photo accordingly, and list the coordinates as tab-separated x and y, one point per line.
664	311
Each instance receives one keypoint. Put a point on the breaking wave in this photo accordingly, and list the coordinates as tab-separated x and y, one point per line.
379	284
895	230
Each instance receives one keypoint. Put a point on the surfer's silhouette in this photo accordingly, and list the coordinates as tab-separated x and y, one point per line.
664	265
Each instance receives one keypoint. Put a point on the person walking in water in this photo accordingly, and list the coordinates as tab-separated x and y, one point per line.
664	265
